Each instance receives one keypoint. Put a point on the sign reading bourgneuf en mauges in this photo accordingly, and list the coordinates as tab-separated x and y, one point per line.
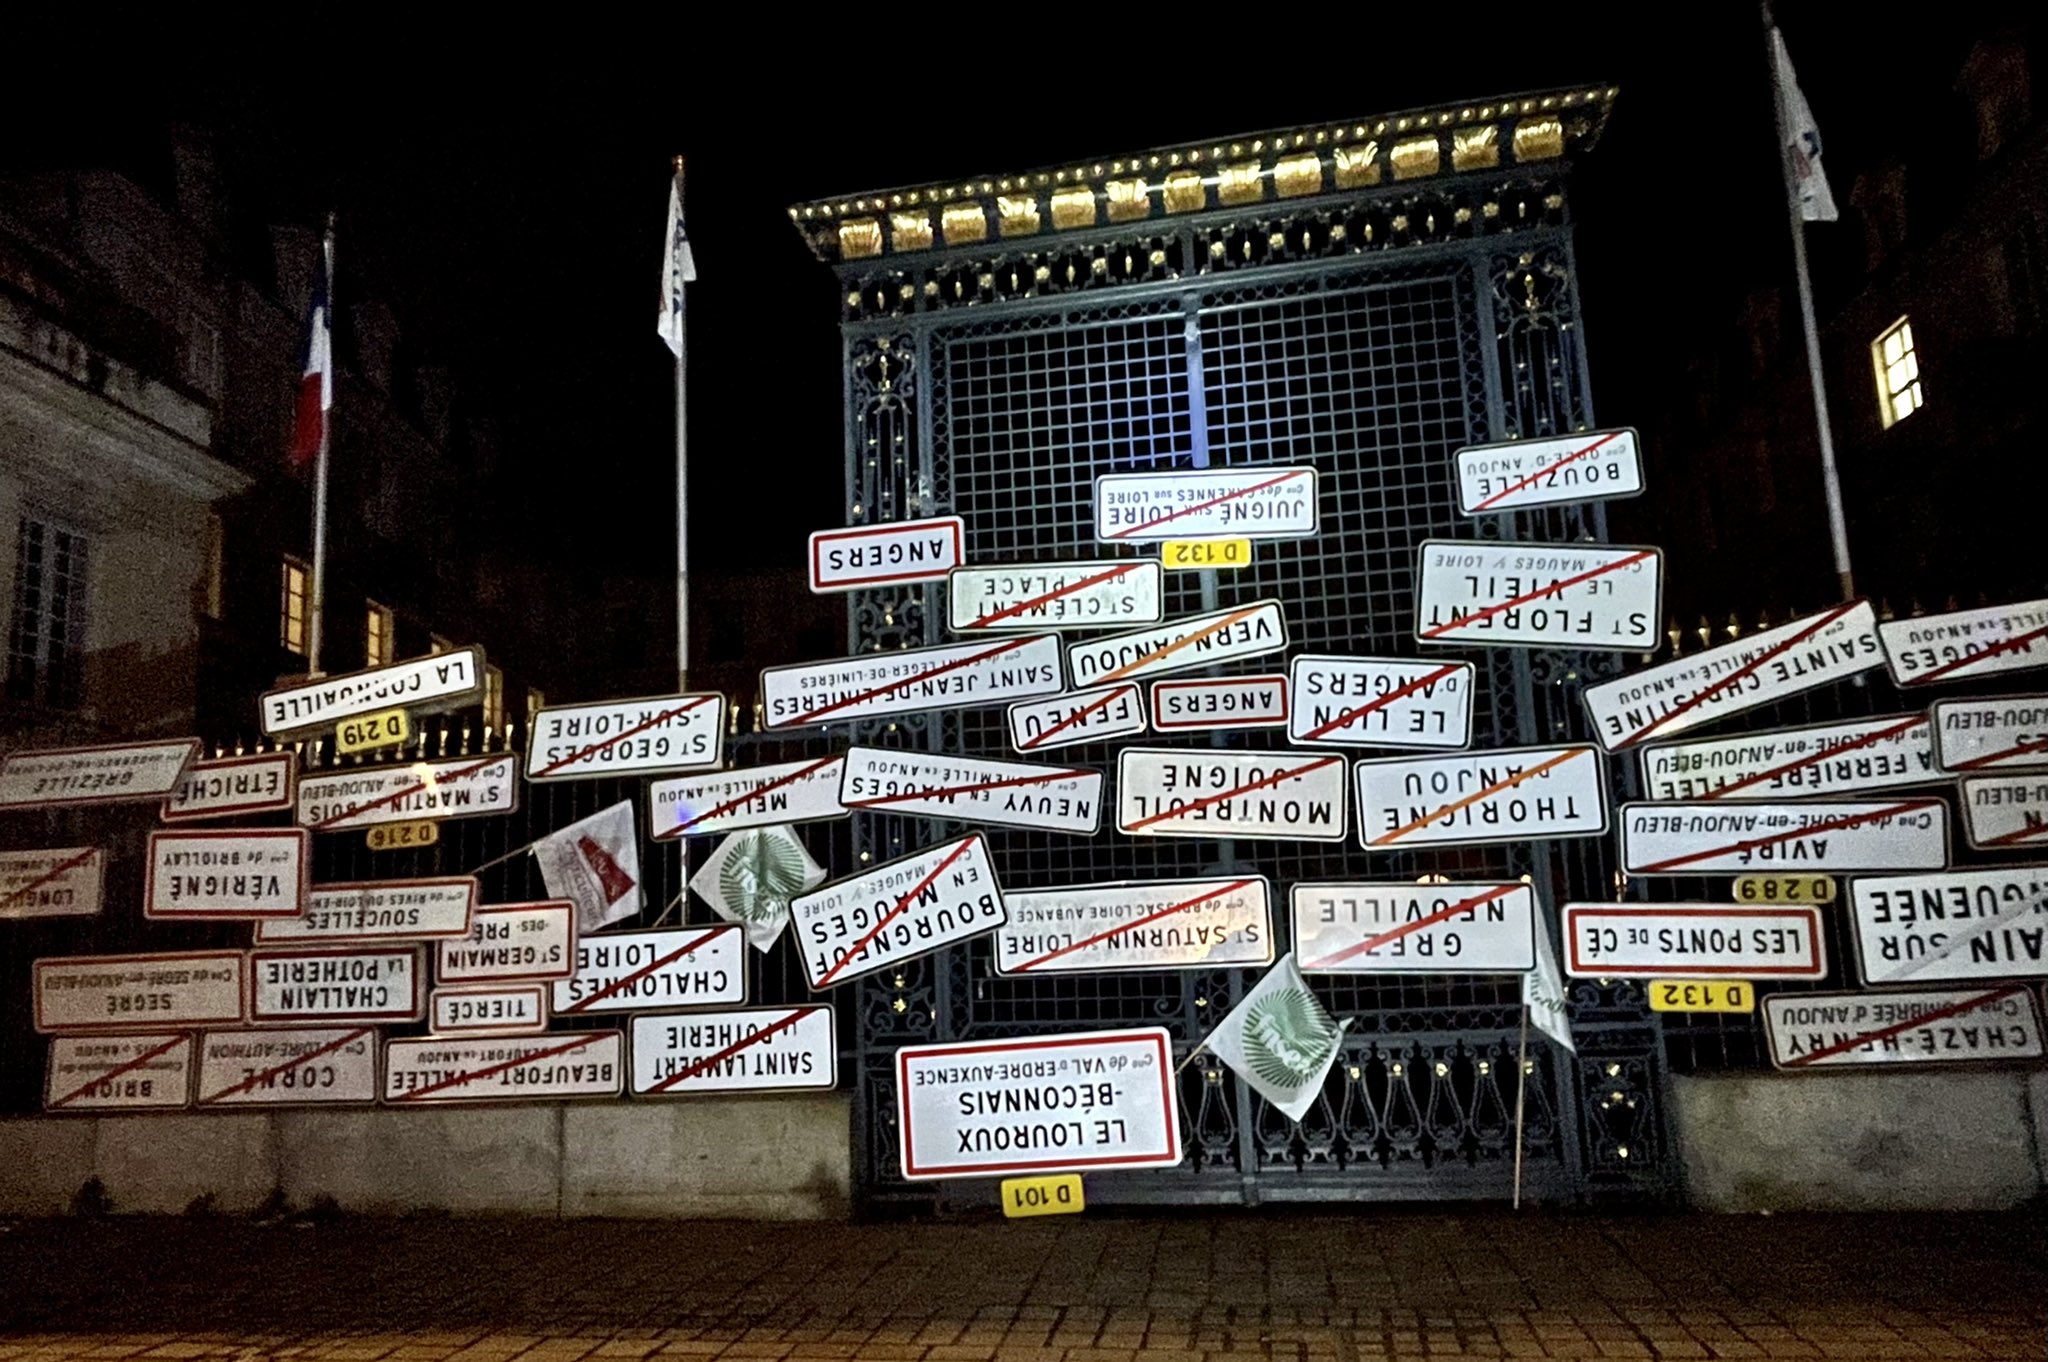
441	681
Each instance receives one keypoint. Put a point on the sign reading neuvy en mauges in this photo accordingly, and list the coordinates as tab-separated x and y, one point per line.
1966	644
533	1068
1593	465
982	672
1422	928
1826	837
673	967
1945	1026
2008	733
118	1073
1010	793
1539	595
627	737
258	783
1186	792
1379	702
763	1049
1095	595
355	985
441	681
114	774
448	787
1160	924
124	992
1795	763
62	882
751	797
1206	503
1177	645
1954	924
228	875
378	910
1681	940
896	911
289	1066
1514	795
1078	716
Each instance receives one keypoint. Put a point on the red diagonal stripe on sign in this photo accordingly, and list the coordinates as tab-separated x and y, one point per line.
628	980
729	1051
1215	501
2025	834
271	1073
1497	787
1009	782
1373	943
1693	701
1553	589
497	1069
955	854
1848	745
1261	783
54	872
2020	749
1076	717
729	805
1399	693
1133	925
1023	607
1185	641
115	1072
1864	1038
1851	820
2018	643
459	773
1575	455
910	680
633	732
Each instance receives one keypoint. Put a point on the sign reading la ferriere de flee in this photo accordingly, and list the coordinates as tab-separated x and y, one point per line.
1539	595
926	900
1591	465
626	737
117	773
1379	702
439	681
1205	503
882	555
979	672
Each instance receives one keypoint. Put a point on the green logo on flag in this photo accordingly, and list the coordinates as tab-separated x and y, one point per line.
761	874
1288	1038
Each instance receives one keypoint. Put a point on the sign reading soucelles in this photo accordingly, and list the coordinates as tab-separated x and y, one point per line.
1206	503
126	992
1188	792
1592	465
1178	645
1824	836
763	1049
626	737
1095	595
118	773
1425	928
1941	1026
1539	595
258	783
1011	793
1955	924
1795	763
1159	924
448	787
1514	795
441	681
1379	702
893	912
953	677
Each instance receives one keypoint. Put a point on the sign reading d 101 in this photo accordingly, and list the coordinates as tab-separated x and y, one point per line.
676	967
1686	940
1177	645
1379	702
906	908
1965	644
1160	924
1938	1026
118	773
1077	717
968	789
449	787
231	876
953	677
1097	595
328	986
118	1073
287	1067
881	555
441	681
258	783
1795	763
1539	595
763	1049
2008	733
1822	837
1187	792
626	737
534	1068
1520	794
1415	928
1593	465
1206	503
1957	924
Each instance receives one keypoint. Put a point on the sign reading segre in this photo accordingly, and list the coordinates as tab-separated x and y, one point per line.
1094	595
1379	702
122	992
449	787
1539	595
1593	465
249	873
1206	503
1160	924
118	773
441	681
234	785
626	737
674	967
1683	940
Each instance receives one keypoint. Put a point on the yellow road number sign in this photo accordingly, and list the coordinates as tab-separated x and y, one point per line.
1702	995
398	836
1188	554
385	728
1058	1194
1784	888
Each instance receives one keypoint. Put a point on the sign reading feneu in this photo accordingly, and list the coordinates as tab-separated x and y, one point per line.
1539	595
666	967
1591	465
440	681
116	773
1426	928
1822	837
958	675
434	1069
1078	716
1661	701
378	910
1190	792
1177	645
626	737
1934	1026
124	992
971	790
287	1067
2005	813
447	787
234	875
1795	763
1156	924
2006	733
760	1049
1954	924
60	882
259	783
1095	595
751	797
332	986
1379	702
1199	704
1520	794
1205	503
118	1073
488	1010
1684	940
882	555
1963	645
512	941
1093	1100
893	912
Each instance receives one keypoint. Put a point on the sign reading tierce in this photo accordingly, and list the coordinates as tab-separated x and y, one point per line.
1204	703
2005	813
346	985
1965	644
231	876
1795	763
512	941
1189	792
1823	837
258	783
956	676
378	910
761	1049
881	555
441	681
1157	924
751	797
447	787
288	1067
488	1010
1416	928
1518	794
1952	925
1206	503
123	992
118	773
1592	465
1097	595
1685	940
893	912
2008	733
1936	1026
1078	716
627	737
671	967
1539	595
1101	1099
118	1073
1177	645
61	882
972	790
434	1069
1379	702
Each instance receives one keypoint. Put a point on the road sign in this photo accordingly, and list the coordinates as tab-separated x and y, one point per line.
671	967
546	1068
1952	925
449	787
1414	928
439	681
1662	701
1590	465
970	790
1203	703
881	555
1519	794
1822	837
258	783
122	992
370	732
1963	645
118	1073
1539	595
1156	924
1701	995
423	832
512	941
753	797
288	1067
1193	792
1045	1104
117	773
897	911
378	910
1178	645
1379	702
1795	763
1936	1026
1205	503
1097	595
627	737
60	882
1784	889
2005	813
955	676
761	1049
1057	1194
2006	733
488	1010
230	875
1692	940
332	986
1205	555
1079	716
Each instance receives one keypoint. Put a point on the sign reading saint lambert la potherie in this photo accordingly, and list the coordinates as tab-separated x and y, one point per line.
760	1049
440	681
1795	763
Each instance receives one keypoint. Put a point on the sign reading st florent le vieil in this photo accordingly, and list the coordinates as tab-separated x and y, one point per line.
440	681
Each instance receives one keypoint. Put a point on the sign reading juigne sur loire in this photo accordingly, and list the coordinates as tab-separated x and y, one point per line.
116	773
1592	465
118	1073
1965	644
980	672
440	681
761	1049
124	992
880	555
488	1010
751	797
626	737
671	967
1078	716
1512	795
1188	792
1177	645
1095	595
893	912
1678	940
1795	763
2006	733
468	1069
1379	702
60	882
1158	924
1205	503
512	941
1198	704
1539	595
972	790
447	787
1954	924
1417	928
227	875
1824	837
287	1067
1935	1026
378	910
258	783
345	985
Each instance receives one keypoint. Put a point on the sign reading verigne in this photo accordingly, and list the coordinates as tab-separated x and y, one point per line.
952	677
1820	837
536	1068
906	908
1177	645
1958	924
1946	1026
1683	940
258	783
1203	703
449	787
763	1049
1206	503
118	1073
1077	717
1418	928
440	681
752	797
1096	595
247	873
626	737
1160	924
2005	813
123	992
363	985
971	790
676	967
990	1108
1518	794
118	773
878	555
1965	644
64	882
2009	733
1187	792
1539	595
378	910
1795	763
288	1067
1379	702
1593	465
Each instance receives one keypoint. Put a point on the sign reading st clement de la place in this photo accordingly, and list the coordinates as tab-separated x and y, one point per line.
1688	940
1795	763
441	681
488	1010
972	790
259	783
1966	644
345	985
1157	924
627	737
133	992
1178	645
378	910
59	882
530	942
118	1073
1824	836
227	875
1539	595
893	912
1190	792
955	676
433	1069
2005	813
666	967
884	555
1042	1104
1936	1026
1951	925
1198	704
447	787
1593	465
1094	595
1076	717
1206	503
1416	928
2006	733
751	797
1665	700
1516	794
287	1066
1379	702
761	1049
117	773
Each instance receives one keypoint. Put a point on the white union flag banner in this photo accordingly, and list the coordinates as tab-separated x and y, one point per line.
1280	1040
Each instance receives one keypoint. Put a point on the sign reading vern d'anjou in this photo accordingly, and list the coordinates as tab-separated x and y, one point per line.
441	681
1179	645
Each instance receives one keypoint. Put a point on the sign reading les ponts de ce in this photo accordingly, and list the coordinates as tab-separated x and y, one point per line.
627	737
1379	702
1177	645
448	787
751	797
231	876
1593	465
1514	795
673	967
1957	924
378	910
1821	837
1937	1026
1159	924
1076	717
118	1073
291	1066
982	672
896	911
1684	940
122	992
1416	928
468	1069
881	555
1096	595
1187	792
1206	503
1011	793
441	681
117	773
2006	733
762	1049
1539	595
258	783
1965	644
1795	763
1201	703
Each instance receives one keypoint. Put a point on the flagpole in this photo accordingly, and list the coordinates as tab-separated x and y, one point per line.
318	605
1838	528
682	473
1521	1100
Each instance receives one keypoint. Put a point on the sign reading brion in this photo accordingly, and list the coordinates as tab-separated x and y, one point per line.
1539	595
118	1073
906	908
346	985
1965	644
1428	928
447	787
1097	595
1205	503
61	882
288	1066
124	992
752	797
247	873
626	737
536	1068
675	967
1822	837
1188	792
1685	940
440	681
1955	924
1159	924
1592	465
761	1049
953	677
1177	645
1078	716
378	910
1795	763
117	773
1934	1026
880	555
258	783
1379	702
969	789
512	941
1512	795
2008	733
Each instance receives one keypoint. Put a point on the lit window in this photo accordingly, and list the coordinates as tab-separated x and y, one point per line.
535	703
213	582
379	630
291	615
494	698
436	645
1898	373
46	633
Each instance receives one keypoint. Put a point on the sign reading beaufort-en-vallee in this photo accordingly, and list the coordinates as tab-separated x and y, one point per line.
1206	503
1076	717
1177	645
626	737
980	672
906	908
671	967
882	555
2006	733
1539	595
438	681
1823	836
1953	924
1795	763
447	787
129	992
1681	940
118	1073
1592	465
1432	928
1197	704
117	773
369	985
229	875
378	910
258	783
1379	702
972	790
1096	595
1189	792
1935	1026
1045	1104
1158	924
524	1069
761	1049
59	882
750	797
1965	644
288	1066
1515	794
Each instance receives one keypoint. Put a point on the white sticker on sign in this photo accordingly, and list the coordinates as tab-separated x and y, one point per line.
752	797
118	1073
287	1067
675	967
536	1068
1539	595
1965	644
1206	503
488	1010
1692	941
1795	763
1076	717
118	773
1097	595
366	985
1957	924
123	992
626	737
1414	928
882	555
439	681
449	787
1379	702
378	910
970	790
236	876
2005	813
894	912
1937	1026
763	1049
2007	733
1155	924
1520	794
508	941
956	676
1179	645
258	783
1822	838
1221	702
1593	465
1190	792
61	882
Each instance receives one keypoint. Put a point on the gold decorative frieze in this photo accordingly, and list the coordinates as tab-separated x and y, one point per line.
1017	214
910	231
963	223
1240	182
1297	177
1539	139
1475	148
1415	157
1074	207
859	239
1357	165
1183	192
1128	200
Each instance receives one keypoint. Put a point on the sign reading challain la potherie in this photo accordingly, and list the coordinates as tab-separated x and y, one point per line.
1093	595
115	773
958	675
1201	703
1823	837
59	882
1189	792
440	681
1686	940
1591	465
750	797
882	555
260	782
758	1049
228	875
447	787
1795	763
1963	645
288	1067
123	992
1379	702
1206	503
1177	645
669	967
1951	925
1155	924
1414	928
1933	1026
367	985
909	907
627	737
118	1073
1519	794
436	1069
1539	595
972	790
512	941
2004	733
378	910
1076	717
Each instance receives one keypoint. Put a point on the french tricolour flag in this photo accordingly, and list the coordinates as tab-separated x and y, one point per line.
316	383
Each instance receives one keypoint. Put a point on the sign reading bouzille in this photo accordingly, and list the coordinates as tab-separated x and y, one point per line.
1159	924
1206	503
1956	924
62	882
881	555
118	1073
1795	763
1514	795
1660	940
1416	928
751	797
626	737
1945	1026
761	1049
1824	836
488	1010
535	1068
971	790
676	967
522	941
288	1067
118	773
347	985
378	910
893	912
259	783
1379	702
1188	792
1097	595
2007	733
440	681
1203	703
1178	645
1539	595
1592	465
123	992
449	787
228	875
952	677
1966	644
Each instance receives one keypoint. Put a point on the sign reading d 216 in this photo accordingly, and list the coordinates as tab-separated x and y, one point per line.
761	1049
258	783
1177	645
1933	1026
906	908
1415	928
1593	465
1379	702
1098	595
959	675
228	875
448	787
1206	503
1078	716
441	681
118	773
1189	792
1046	1104
2009	733
1519	794
1686	940
668	967
626	737
970	790
882	555
1539	595
1954	924
1965	644
1822	837
1795	763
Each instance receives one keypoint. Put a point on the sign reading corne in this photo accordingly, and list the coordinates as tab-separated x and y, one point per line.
488	1010
123	992
1822	837
752	797
1219	702
1593	465
1662	701
1206	503
761	1049
62	882
1077	717
1095	595
2005	813
1539	595
258	783
1955	924
877	555
1425	928
440	681
346	985
526	941
672	967
896	911
1685	940
1379	702
118	1073
1516	794
1937	1026
289	1066
1157	924
533	1068
952	677
448	787
627	737
117	773
378	910
1178	645
971	790
1965	644
1795	763
238	875
2008	733
1189	792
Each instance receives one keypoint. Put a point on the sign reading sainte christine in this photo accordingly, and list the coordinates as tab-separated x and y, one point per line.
440	681
1512	795
1951	925
1417	928
1679	940
2007	733
1202	703
1078	716
1011	793
1102	1099
1379	702
980	672
1966	644
123	992
1795	763
348	985
118	1073
488	1010
61	882
1824	837
227	875
926	900
434	1069
879	555
447	787
627	737
761	1049
1206	503
1192	792
288	1066
258	783
378	910
117	773
1177	645
1936	1026
751	797
1095	595
1539	595
668	967
512	941
1158	924
1591	465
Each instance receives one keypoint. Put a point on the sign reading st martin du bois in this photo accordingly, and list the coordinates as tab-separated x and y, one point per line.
1689	940
440	681
127	992
1158	924
1189	792
1078	716
627	737
1198	704
60	882
1539	595
893	912
760	1049
1795	763
1093	1100
117	773
2005	813
433	1069
669	967
1205	503
882	555
751	797
512	941
1095	595
958	675
1516	794
228	875
1934	1026
447	787
1178	645
258	783
118	1073
1966	644
288	1067
378	910
1954	924
2006	733
1824	837
1593	465
488	1010
972	790
1417	928
1379	702
345	985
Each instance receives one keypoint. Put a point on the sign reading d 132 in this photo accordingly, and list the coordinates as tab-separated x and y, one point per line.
258	783
1688	940
1956	924
1177	645
238	875
533	1068
1936	1026
1965	644
1519	794
991	1108
1206	503
1821	837
449	787
762	1049
2008	733
1187	792
118	773
952	677
1379	702
1539	595
1795	763
1593	465
1426	928
896	911
1160	924
626	737
880	555
1098	595
440	681
670	967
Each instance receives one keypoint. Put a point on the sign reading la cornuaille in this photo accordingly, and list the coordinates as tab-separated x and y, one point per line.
441	681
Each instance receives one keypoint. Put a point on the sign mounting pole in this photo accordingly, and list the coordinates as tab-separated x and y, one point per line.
1521	1100
682	450
319	592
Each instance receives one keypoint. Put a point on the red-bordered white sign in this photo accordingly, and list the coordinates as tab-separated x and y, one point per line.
1823	837
1221	702
257	783
894	912
880	555
403	792
2004	733
1693	941
749	797
1539	595
512	942
955	676
972	790
239	875
118	1073
438	1069
488	1010
335	986
1379	702
87	993
288	1067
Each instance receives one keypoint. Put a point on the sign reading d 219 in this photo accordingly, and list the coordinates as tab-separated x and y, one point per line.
441	681
1593	465
959	675
626	737
1206	503
1539	595
1824	836
896	911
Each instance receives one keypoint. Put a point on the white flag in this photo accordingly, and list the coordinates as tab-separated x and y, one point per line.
751	877
1802	141
1280	1040
678	267
595	864
1543	992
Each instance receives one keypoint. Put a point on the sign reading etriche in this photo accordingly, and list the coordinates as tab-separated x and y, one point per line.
1206	503
488	1010
354	985
2005	813
440	681
1593	465
906	908
1097	595
288	1066
1519	794
535	1068
1078	716
1539	595
1074	1102
1189	792
762	1049
118	1073
671	967
1178	645
2009	733
971	790
378	910
512	941
239	875
1823	837
1159	924
881	555
1795	763
258	783
1944	1026
953	677
118	773
1429	928
123	992
448	787
1965	644
751	797
62	882
1957	924
1203	703
1379	702
626	737
1680	940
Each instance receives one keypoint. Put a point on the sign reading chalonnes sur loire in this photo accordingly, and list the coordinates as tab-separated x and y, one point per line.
1693	940
288	1067
1933	1026
1096	595
549	1067
118	1073
447	787
60	882
1190	792
627	737
1379	702
1965	644
894	912
1539	595
116	773
1592	465
127	992
440	681
1795	763
1512	795
750	797
378	910
883	555
258	783
1416	928
972	790
665	967
227	874
1823	836
956	676
760	1049
1206	503
1951	925
1157	924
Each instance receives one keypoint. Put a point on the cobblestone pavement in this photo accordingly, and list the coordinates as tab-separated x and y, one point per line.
1226	1287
